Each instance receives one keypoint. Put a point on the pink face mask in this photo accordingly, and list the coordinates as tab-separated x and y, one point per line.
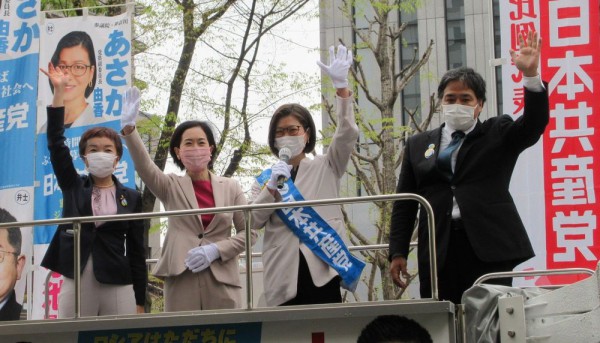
195	160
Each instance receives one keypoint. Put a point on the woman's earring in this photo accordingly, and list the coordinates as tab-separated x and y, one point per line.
90	84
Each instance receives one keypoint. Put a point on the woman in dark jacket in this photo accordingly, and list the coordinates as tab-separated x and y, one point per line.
112	253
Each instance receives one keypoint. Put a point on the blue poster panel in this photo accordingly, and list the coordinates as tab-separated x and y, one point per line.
217	333
19	47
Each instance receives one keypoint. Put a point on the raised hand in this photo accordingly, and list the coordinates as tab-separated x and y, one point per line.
57	77
131	107
527	59
338	67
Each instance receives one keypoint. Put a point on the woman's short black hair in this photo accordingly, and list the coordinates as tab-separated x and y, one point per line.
304	117
176	140
77	38
100	131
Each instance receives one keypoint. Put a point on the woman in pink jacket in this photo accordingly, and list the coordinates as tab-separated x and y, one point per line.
199	259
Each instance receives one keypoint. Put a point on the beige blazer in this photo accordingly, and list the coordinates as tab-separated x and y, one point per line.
317	178
186	232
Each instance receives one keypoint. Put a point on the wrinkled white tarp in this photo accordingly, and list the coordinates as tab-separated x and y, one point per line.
481	309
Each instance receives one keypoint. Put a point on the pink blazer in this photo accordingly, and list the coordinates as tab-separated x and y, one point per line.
186	232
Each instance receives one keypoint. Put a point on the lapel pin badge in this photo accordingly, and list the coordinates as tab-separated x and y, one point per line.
430	151
123	200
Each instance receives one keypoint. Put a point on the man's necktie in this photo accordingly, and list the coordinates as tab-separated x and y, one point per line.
444	160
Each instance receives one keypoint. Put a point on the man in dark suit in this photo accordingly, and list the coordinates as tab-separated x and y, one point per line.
11	267
463	169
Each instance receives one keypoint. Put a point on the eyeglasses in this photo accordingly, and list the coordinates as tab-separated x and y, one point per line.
76	69
3	253
293	130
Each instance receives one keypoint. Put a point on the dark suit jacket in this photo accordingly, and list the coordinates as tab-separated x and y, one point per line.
12	309
484	166
117	247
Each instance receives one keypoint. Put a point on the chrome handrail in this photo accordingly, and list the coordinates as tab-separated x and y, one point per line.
77	221
237	208
351	248
77	271
248	243
540	272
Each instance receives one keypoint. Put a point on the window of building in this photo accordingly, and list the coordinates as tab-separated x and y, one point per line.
455	33
411	94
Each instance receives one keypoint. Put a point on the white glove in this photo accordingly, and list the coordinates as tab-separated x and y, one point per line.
131	107
338	66
199	258
278	169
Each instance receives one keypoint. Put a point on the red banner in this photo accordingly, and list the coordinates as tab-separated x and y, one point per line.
571	65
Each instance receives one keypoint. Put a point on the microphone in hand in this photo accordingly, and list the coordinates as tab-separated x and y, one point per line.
280	171
285	154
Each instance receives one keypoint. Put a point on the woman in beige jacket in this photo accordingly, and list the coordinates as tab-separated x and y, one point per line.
293	274
199	259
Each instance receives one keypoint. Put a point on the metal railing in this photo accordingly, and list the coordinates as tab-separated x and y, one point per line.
247	209
351	248
540	272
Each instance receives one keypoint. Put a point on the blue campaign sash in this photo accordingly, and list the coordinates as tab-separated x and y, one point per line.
317	234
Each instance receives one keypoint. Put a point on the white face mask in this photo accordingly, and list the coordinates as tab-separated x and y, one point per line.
459	117
100	164
294	143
